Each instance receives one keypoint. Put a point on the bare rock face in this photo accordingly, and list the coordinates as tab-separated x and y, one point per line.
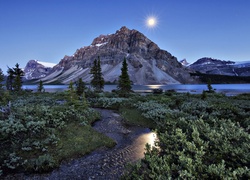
184	62
221	67
36	70
147	63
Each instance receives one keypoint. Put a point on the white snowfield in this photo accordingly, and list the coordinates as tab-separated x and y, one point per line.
46	64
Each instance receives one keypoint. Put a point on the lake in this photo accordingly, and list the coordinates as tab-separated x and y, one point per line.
229	89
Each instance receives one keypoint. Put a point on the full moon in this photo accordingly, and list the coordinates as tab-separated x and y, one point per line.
151	22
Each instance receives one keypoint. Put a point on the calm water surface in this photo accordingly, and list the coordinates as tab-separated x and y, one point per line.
192	88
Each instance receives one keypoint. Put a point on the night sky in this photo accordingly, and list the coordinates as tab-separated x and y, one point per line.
47	30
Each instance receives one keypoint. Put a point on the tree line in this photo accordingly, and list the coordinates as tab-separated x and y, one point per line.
14	79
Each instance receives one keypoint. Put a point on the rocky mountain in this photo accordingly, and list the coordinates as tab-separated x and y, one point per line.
214	66
184	62
36	69
147	63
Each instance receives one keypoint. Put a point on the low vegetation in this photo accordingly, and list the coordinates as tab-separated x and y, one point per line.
39	130
202	136
197	138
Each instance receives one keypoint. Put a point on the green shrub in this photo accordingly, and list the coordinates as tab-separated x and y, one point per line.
197	139
32	129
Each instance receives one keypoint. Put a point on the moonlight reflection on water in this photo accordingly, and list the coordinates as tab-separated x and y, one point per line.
140	143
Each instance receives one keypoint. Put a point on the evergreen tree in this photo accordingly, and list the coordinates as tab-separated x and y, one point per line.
124	83
40	87
18	72
1	80
209	86
14	79
1	86
80	87
93	71
10	78
97	79
74	100
72	97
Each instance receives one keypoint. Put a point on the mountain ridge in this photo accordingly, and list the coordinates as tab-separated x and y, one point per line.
221	67
35	69
147	63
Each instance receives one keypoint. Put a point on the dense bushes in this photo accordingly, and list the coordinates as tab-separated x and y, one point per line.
197	138
30	130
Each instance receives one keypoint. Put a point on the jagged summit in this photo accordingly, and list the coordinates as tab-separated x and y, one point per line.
147	63
207	60
35	69
184	62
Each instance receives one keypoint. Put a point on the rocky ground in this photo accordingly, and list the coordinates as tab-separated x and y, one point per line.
104	163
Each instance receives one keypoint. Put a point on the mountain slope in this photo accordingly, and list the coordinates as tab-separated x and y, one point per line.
147	63
36	69
220	67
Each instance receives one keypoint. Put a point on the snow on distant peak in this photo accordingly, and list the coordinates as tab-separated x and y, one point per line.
100	44
46	64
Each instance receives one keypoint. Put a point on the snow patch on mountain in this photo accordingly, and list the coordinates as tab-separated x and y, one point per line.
46	64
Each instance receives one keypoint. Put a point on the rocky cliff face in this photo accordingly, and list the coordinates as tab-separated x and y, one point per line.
147	63
184	62
215	66
36	70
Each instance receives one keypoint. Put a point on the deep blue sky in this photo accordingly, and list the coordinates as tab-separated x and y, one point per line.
47	30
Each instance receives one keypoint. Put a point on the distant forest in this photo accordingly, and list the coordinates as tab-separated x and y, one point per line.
221	79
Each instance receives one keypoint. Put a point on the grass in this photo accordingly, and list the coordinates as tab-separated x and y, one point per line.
134	117
76	141
42	148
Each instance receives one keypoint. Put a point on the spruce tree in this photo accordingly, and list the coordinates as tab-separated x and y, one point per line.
1	80
80	87
97	81
99	75
14	80
1	86
10	78
93	71
40	87
124	83
74	100
72	96
209	86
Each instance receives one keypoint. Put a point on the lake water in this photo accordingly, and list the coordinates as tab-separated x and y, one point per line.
230	89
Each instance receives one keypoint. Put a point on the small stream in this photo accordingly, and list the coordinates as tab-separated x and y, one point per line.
105	163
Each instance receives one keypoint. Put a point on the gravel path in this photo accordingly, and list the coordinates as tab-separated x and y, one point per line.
104	163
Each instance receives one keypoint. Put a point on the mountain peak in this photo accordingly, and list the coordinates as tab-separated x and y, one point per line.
35	69
147	63
123	29
184	62
100	40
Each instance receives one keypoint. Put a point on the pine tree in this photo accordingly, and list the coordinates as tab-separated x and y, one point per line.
99	75
97	79
1	86
1	80
93	71
40	87
80	87
10	78
74	100
14	79
72	97
124	83
209	86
